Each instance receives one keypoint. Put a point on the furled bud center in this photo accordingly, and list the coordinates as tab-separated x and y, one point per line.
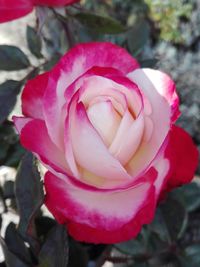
105	119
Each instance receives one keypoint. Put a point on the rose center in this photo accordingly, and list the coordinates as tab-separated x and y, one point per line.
105	120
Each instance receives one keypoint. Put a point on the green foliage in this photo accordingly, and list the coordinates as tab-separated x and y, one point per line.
54	252
34	42
167	14
16	244
188	195
11	151
99	24
11	259
29	196
12	58
138	36
8	97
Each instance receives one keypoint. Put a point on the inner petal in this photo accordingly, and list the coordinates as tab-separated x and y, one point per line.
105	120
122	92
128	138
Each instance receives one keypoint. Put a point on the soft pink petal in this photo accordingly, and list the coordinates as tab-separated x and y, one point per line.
34	137
148	129
69	153
121	89
110	212
32	96
157	125
20	122
89	150
124	127
105	120
166	87
128	138
75	63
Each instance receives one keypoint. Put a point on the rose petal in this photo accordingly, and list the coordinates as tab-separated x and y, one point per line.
34	137
120	89
72	65
105	120
32	96
183	156
97	212
163	84
160	118
12	9
20	122
128	138
89	150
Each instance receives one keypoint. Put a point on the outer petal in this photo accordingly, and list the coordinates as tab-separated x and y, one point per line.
32	96
12	9
96	217
163	84
34	137
159	120
76	62
183	157
54	2
87	55
20	122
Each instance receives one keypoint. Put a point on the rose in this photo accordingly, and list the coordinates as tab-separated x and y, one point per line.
104	129
13	9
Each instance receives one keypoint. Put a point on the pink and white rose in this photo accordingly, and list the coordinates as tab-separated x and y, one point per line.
104	129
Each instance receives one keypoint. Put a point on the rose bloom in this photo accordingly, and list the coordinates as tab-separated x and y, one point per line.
13	9
103	127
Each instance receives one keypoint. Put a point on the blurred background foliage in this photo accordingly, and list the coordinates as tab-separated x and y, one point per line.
160	34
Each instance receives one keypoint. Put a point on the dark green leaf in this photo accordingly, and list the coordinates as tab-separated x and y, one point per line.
33	74
188	195
159	226
0	221
54	252
14	155
139	264
8	97
12	58
137	36
175	216
75	249
16	244
9	145
43	225
170	220
132	247
148	63
191	257
10	258
48	65
8	189
29	195
7	133
100	24
34	42
3	151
